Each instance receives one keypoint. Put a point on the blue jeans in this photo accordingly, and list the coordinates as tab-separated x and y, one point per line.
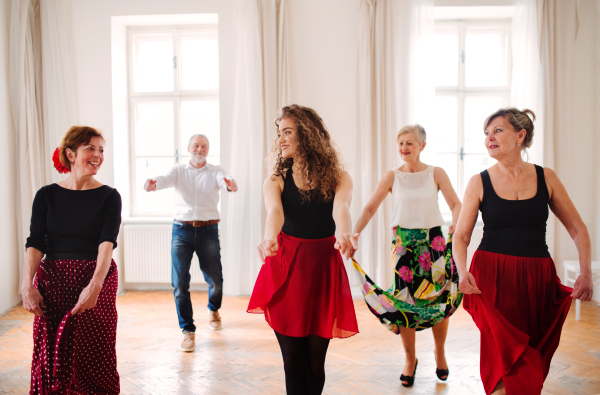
205	242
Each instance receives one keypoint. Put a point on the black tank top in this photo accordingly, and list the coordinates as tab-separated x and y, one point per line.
307	220
515	227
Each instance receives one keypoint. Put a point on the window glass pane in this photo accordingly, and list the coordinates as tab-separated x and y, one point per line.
446	56
477	109
199	61
200	116
442	141
153	63
154	129
159	202
486	57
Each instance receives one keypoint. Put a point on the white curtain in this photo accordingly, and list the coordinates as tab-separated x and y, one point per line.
419	61
25	76
568	37
261	88
60	109
42	99
527	90
394	89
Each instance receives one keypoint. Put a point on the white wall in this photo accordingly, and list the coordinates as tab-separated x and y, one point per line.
9	267
323	59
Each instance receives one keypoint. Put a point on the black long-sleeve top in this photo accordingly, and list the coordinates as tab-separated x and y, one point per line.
71	221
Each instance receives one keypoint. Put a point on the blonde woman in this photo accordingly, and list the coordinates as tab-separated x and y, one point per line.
425	290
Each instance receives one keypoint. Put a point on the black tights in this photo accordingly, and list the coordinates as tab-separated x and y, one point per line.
304	363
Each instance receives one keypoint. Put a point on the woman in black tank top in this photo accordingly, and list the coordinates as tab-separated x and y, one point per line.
512	290
303	288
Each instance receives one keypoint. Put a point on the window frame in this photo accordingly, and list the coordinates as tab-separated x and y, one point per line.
461	91
176	96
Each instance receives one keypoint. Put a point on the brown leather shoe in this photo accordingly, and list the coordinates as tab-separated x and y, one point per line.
189	341
214	321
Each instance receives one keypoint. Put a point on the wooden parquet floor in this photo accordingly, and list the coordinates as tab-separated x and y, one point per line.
244	357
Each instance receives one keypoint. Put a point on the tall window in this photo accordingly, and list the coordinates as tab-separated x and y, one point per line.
173	94
472	81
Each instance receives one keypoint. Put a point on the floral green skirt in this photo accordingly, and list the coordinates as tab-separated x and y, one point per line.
425	289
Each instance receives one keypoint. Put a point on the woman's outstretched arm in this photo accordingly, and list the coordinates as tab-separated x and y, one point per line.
89	295
272	191
561	205
444	185
345	242
383	188
463	232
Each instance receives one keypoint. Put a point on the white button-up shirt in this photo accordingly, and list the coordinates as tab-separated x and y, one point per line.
196	190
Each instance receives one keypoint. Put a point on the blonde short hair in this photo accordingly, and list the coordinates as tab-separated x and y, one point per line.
417	129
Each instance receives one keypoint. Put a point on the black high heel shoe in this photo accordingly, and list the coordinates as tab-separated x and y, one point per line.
442	372
409	379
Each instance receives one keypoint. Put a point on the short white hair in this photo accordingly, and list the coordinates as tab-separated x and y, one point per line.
417	129
197	135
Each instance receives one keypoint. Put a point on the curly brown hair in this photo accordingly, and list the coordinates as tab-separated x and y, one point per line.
318	156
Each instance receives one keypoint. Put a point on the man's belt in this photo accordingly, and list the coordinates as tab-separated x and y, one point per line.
197	224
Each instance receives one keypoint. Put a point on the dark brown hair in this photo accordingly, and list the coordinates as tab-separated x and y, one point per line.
75	137
518	120
316	151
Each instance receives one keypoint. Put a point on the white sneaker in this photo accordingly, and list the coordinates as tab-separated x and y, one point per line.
214	322
189	341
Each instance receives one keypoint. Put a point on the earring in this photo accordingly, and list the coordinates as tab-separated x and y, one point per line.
519	144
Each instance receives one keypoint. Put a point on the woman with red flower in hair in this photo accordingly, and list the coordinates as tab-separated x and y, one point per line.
72	290
425	290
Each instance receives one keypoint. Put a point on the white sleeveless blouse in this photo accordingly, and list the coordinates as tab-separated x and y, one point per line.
415	200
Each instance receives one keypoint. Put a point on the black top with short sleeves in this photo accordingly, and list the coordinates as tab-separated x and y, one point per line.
74	221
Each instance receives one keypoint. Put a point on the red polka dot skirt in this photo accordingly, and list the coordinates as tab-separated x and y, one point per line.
74	354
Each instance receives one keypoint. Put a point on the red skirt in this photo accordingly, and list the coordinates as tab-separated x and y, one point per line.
74	354
520	314
304	290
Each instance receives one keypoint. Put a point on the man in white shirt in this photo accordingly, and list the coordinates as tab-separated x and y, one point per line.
195	229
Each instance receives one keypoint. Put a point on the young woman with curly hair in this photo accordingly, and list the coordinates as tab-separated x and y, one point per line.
303	288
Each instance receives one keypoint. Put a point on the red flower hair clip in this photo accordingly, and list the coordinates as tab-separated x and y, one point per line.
58	164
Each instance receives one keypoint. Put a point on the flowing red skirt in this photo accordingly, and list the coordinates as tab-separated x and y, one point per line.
304	290
520	314
74	354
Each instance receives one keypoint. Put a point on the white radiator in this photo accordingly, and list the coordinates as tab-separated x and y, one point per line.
148	255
